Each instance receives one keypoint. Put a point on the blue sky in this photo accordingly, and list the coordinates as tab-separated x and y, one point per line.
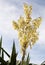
11	10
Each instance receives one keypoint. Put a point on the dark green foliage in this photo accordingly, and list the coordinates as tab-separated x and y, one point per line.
2	55
13	55
5	52
0	44
3	62
2	51
28	59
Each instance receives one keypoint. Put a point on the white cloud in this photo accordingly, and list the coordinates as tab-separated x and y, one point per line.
7	14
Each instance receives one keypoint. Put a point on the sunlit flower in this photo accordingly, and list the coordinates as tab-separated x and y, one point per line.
27	28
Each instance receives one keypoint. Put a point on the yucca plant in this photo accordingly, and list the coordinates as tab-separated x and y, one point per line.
2	55
13	55
27	29
28	59
0	44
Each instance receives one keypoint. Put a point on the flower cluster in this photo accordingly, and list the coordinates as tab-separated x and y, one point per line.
27	28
